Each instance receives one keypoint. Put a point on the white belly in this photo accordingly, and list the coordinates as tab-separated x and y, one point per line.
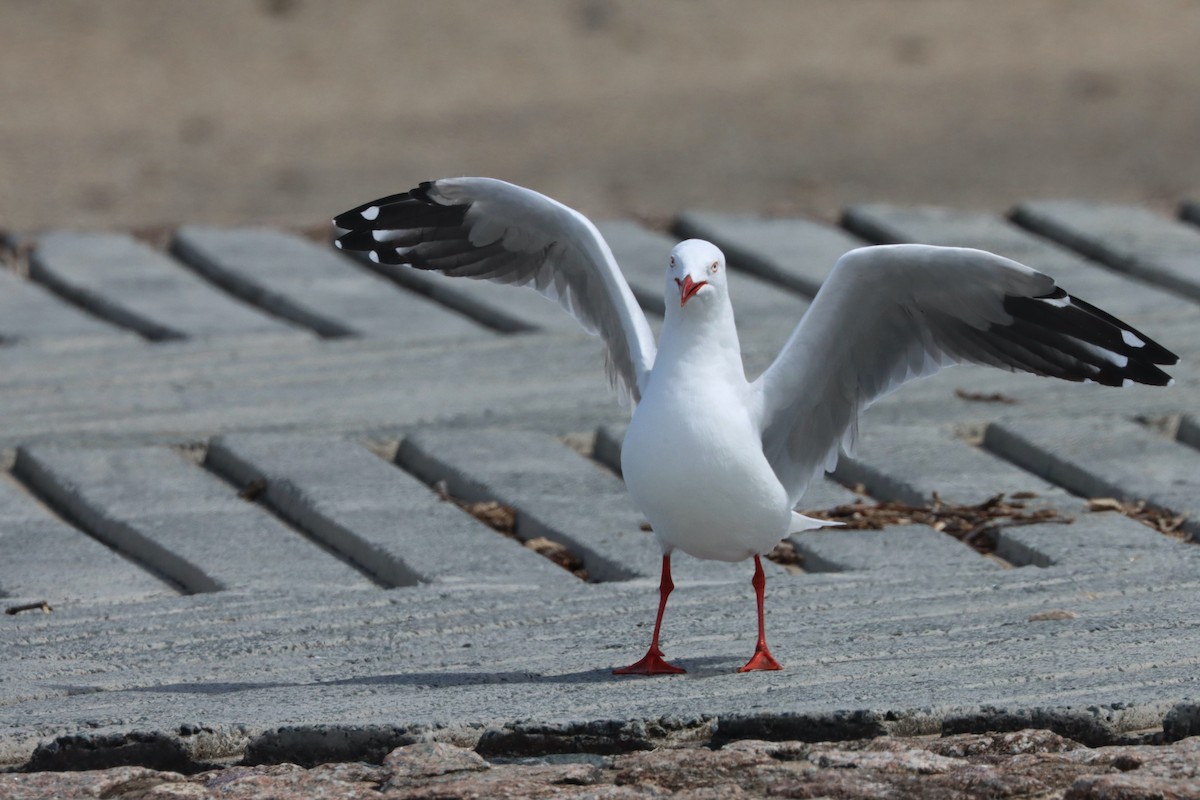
698	474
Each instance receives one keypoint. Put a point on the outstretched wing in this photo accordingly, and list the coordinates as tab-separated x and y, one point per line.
491	230
887	315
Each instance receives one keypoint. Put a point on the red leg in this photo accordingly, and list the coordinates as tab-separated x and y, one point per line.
653	662
762	658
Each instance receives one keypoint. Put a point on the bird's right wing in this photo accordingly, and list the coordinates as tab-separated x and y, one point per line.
492	230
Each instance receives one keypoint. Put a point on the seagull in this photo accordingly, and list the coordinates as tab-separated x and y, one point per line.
715	462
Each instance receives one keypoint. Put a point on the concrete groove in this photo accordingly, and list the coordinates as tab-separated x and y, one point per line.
253	294
162	564
241	479
395	530
50	559
119	317
35	312
314	286
123	280
505	309
172	514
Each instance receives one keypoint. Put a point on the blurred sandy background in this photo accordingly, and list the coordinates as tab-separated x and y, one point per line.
142	112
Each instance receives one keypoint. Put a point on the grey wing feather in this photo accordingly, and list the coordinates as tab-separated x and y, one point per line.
887	315
488	229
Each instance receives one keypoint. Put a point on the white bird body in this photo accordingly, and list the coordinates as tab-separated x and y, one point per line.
692	458
717	464
693	464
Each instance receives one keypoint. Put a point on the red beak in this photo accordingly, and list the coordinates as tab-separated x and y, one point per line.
687	288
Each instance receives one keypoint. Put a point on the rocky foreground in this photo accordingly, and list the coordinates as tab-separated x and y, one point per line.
1031	763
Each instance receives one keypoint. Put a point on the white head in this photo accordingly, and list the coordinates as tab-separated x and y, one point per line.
696	274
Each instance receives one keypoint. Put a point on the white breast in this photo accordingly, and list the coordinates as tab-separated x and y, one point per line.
694	465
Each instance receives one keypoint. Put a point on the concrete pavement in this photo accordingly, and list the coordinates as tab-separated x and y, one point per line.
244	539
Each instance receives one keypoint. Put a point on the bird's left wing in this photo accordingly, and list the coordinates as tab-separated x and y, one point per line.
492	230
889	314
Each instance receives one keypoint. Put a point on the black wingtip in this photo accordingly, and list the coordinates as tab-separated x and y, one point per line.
1077	341
1148	349
413	209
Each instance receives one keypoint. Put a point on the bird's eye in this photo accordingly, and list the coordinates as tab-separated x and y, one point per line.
713	268
672	262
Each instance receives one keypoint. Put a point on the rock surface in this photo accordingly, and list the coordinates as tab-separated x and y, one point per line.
1028	763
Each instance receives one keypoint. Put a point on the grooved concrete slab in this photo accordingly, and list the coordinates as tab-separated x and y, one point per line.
119	278
1094	538
1131	239
914	549
1105	458
511	309
796	253
314	286
46	559
1189	211
864	653
1189	431
378	516
29	312
913	634
177	519
910	463
643	255
557	493
197	389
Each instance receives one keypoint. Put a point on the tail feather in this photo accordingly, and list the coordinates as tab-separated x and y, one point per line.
803	523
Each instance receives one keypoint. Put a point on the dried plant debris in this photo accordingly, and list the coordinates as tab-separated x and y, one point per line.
502	518
495	515
787	556
1053	615
253	489
973	525
157	237
582	443
559	554
1160	519
320	231
14	252
40	605
984	397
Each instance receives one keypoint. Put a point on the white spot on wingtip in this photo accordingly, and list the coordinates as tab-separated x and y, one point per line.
337	243
370	213
373	256
1171	382
1126	383
1131	340
382	236
1057	302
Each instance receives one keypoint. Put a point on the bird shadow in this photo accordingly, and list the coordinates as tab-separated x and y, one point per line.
698	668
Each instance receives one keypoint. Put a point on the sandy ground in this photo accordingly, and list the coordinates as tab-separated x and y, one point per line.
141	112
